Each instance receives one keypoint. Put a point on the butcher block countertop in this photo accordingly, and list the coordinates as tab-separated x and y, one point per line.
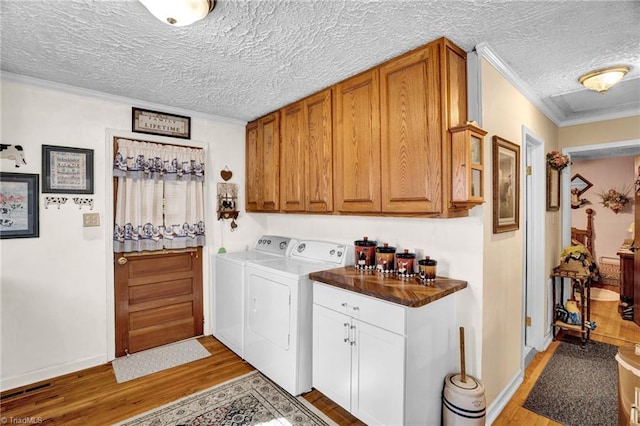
403	291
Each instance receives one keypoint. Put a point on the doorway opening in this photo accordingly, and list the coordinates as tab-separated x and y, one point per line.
604	166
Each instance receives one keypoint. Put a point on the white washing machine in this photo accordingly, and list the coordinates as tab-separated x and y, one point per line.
278	306
229	287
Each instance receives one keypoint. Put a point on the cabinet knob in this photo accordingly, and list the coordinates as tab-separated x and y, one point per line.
122	260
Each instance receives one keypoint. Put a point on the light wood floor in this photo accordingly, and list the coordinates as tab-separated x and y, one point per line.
92	396
610	328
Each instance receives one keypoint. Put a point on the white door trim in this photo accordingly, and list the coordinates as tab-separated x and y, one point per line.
534	277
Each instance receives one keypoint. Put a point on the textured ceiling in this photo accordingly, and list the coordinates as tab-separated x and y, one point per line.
250	57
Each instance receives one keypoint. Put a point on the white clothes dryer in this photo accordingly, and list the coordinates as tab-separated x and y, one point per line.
278	320
228	293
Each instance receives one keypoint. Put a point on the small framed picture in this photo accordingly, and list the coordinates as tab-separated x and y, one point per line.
553	189
159	123
506	186
19	214
67	170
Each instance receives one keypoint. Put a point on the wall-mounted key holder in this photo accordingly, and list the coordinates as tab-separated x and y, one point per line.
56	201
81	202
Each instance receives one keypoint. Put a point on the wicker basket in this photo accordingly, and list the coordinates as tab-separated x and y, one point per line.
574	265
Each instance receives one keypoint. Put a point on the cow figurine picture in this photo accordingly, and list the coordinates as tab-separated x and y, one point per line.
13	152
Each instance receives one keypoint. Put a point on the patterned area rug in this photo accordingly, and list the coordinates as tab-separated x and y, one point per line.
157	359
251	399
578	387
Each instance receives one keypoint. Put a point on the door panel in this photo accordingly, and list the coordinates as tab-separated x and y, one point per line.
269	313
379	364
158	299
356	154
332	355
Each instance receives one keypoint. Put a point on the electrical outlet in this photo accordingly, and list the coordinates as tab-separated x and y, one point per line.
90	219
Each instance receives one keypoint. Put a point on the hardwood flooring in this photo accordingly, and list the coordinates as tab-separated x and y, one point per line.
93	397
611	329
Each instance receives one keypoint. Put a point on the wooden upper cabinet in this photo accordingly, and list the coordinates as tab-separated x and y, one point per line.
319	149
306	163
356	149
269	136
252	169
263	164
376	143
411	133
292	158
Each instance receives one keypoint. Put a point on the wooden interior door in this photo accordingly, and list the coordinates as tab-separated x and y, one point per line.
158	298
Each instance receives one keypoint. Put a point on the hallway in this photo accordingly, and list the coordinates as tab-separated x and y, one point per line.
611	329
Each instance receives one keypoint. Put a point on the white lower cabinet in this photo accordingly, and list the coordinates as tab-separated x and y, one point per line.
353	360
384	363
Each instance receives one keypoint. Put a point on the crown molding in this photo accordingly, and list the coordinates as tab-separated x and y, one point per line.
486	52
551	112
46	84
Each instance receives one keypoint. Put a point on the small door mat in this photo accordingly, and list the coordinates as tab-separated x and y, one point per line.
251	399
157	359
578	386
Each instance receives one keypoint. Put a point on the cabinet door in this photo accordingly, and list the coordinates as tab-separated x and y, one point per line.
357	144
411	133
332	355
319	161
292	158
252	167
269	150
378	375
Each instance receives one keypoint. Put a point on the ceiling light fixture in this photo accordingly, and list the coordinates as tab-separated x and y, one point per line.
179	13
602	80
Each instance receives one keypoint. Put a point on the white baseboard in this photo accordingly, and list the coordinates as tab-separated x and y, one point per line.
8	383
504	397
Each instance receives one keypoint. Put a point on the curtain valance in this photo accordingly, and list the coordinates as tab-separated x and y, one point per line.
146	160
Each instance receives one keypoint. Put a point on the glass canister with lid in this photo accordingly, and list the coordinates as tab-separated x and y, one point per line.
365	252
385	259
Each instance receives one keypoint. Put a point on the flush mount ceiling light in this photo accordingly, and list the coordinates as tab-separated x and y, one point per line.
179	13
602	80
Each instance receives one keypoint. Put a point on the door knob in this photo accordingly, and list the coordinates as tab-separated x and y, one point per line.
122	260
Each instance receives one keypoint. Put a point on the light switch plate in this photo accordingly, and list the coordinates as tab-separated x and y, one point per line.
90	219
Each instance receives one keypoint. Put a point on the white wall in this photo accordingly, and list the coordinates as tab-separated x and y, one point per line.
57	290
455	243
610	228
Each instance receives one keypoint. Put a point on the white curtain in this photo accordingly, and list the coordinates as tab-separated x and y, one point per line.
160	197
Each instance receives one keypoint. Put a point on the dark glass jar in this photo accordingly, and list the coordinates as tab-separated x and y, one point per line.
404	263
385	259
365	252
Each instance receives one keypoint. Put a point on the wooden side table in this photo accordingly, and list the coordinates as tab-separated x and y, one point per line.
583	281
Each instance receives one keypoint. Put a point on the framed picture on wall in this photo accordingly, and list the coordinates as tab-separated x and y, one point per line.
160	123
553	189
506	185
67	170
19	214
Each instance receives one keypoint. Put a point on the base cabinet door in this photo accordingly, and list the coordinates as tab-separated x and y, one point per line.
359	366
377	375
332	355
